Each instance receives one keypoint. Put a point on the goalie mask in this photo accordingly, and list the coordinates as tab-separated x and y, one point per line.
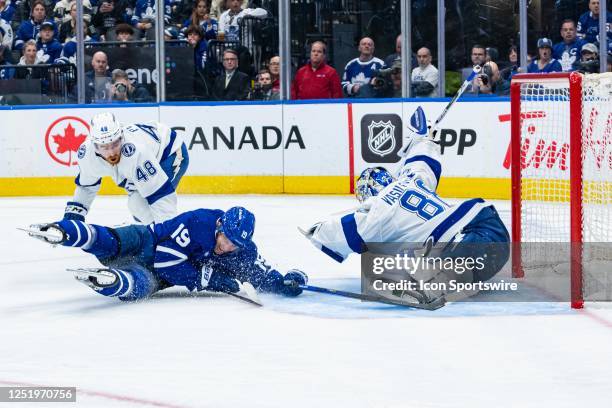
371	182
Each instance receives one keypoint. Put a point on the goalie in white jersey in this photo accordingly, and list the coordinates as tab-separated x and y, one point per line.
406	209
148	160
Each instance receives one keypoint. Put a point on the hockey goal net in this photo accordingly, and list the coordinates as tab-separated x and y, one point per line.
562	183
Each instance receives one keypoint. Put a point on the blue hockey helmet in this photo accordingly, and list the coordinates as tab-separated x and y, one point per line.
371	182
238	225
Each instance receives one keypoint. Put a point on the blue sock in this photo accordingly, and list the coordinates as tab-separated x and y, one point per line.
78	234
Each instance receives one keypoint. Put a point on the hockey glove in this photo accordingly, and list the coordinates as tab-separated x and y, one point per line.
75	211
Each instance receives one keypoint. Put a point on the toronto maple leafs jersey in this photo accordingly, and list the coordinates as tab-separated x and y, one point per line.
359	72
229	22
568	54
138	171
184	253
588	27
408	210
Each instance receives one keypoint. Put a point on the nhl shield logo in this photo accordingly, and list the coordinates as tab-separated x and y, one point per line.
381	138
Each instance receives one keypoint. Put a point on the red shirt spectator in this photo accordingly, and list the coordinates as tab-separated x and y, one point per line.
316	80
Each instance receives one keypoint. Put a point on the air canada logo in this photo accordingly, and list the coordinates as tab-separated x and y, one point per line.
381	138
64	137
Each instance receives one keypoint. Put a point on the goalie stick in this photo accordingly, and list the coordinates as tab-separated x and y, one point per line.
433	305
464	85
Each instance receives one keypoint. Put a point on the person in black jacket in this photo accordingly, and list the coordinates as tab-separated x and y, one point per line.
109	14
231	85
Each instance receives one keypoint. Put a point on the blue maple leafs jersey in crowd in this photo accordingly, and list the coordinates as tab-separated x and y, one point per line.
588	27
139	171
568	54
358	72
408	210
185	246
552	66
48	52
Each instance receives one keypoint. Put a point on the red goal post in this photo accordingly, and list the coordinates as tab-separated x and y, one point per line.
561	133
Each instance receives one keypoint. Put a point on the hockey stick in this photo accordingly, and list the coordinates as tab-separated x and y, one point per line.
435	304
464	85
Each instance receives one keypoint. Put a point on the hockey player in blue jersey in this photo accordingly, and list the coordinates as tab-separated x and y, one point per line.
406	209
203	249
148	160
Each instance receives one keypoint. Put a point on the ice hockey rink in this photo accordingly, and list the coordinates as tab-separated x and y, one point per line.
205	350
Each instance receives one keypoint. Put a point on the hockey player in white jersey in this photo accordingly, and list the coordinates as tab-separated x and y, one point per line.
148	160
406	209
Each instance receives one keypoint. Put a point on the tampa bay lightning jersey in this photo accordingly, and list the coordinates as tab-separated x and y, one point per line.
186	243
139	169
408	210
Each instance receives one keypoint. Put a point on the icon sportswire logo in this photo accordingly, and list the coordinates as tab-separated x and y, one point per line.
63	138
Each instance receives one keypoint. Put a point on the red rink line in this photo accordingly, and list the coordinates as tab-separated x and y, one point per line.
351	149
593	316
106	395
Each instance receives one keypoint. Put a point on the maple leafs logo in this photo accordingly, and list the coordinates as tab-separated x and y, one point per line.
67	133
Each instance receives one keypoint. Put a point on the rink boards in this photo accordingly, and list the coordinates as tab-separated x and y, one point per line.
290	147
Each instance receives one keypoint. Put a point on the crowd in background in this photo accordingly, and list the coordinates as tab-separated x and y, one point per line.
43	32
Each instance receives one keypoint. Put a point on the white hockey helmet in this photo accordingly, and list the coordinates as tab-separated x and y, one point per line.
105	129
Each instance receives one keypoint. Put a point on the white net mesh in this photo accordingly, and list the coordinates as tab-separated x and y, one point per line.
545	178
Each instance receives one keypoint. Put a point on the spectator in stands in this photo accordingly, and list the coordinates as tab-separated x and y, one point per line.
567	51
144	18
67	30
609	57
425	76
195	38
98	81
486	80
7	10
316	79
50	48
219	6
588	23
512	67
201	18
263	88
63	11
546	63
171	33
229	22
274	68
491	54
124	33
6	58
6	34
231	85
478	57
122	90
29	29
390	59
108	15
589	59
359	71
30	57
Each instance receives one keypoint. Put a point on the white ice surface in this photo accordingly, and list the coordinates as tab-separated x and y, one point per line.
183	350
